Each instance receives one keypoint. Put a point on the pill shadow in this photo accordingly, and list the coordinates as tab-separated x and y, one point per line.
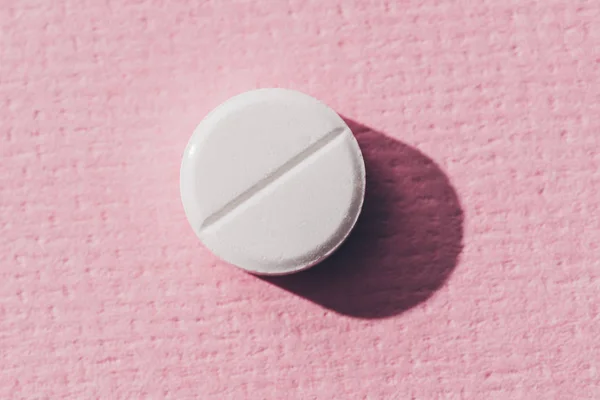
406	242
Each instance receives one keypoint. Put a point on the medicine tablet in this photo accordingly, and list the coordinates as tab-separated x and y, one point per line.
272	181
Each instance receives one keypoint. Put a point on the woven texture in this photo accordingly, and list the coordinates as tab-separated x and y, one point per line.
474	272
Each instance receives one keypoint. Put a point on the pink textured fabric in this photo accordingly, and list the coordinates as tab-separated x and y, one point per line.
474	272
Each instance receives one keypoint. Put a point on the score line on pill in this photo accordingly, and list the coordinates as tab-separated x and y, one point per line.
272	181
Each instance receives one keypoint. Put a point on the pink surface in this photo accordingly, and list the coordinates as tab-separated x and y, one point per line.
474	272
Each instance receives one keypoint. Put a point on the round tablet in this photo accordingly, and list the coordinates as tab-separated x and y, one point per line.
272	181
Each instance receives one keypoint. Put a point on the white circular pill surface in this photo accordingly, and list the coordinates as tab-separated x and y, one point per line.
272	181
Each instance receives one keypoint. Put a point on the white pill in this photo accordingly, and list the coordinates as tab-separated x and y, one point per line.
272	181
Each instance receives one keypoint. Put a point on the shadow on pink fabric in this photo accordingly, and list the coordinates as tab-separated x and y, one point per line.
405	245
